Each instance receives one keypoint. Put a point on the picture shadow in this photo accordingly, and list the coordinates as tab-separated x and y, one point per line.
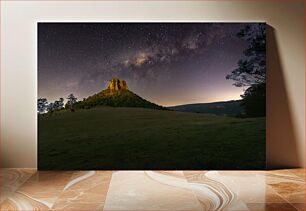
281	148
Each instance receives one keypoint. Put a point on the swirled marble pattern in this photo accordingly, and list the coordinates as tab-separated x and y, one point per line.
141	190
27	189
12	179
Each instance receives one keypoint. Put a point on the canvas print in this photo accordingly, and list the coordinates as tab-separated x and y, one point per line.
159	96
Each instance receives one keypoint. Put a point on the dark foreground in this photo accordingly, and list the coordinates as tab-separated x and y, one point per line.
137	138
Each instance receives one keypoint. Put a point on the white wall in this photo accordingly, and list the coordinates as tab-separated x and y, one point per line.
286	98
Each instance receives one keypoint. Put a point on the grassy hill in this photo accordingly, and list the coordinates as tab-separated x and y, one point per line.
226	108
120	98
140	138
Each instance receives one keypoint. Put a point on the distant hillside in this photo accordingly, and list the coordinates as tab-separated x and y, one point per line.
225	108
116	95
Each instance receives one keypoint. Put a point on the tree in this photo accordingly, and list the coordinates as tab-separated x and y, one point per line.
51	108
42	105
59	104
251	70
254	100
71	100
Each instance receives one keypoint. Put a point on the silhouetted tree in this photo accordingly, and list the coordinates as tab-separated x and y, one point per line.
251	71
254	100
42	105
252	68
71	100
61	102
50	108
58	104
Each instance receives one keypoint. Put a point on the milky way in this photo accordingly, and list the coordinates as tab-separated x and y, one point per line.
166	63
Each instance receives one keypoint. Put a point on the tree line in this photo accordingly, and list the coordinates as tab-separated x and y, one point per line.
44	107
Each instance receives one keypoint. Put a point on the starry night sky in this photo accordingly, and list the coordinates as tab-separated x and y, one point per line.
165	63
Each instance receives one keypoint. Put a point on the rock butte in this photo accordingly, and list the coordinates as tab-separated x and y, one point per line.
116	84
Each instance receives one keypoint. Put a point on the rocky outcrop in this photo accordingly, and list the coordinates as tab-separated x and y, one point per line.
116	95
116	84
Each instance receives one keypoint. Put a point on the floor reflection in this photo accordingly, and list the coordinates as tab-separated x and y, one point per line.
28	189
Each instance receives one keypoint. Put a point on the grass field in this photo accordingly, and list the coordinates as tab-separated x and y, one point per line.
138	138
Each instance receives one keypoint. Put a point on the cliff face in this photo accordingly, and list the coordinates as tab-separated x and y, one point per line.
116	84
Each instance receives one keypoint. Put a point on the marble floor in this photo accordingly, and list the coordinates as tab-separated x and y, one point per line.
28	189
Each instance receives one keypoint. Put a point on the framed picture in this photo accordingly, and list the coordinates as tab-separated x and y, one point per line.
160	96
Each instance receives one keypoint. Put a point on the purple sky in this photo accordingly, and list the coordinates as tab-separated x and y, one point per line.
165	63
